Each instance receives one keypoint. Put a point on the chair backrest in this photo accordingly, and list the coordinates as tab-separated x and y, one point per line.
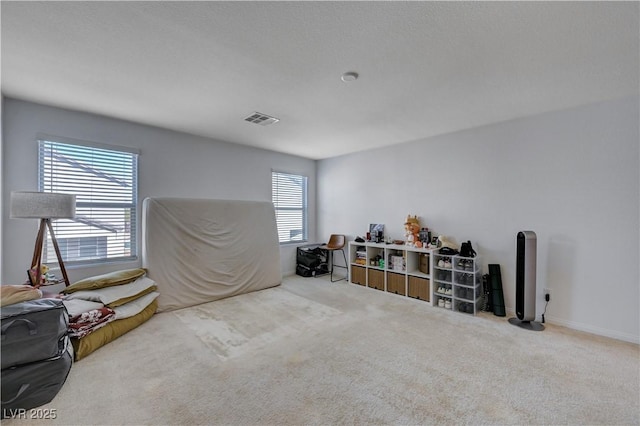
336	241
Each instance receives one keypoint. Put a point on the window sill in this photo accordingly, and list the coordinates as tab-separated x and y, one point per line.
295	243
96	264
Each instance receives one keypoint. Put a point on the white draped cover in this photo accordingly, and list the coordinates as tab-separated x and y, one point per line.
200	250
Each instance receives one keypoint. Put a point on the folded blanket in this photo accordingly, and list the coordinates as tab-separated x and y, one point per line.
10	294
135	306
111	331
114	296
76	307
88	322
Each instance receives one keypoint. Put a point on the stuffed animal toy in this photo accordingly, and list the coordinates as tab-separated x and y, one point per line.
44	270
39	279
46	273
411	231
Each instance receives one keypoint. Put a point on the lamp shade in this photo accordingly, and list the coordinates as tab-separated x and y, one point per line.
42	205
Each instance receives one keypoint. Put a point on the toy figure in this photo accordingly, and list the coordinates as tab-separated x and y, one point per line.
412	229
44	276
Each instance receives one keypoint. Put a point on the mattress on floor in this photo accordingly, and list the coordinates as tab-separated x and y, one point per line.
199	250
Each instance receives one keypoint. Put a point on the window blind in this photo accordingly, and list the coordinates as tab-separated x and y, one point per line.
289	194
105	183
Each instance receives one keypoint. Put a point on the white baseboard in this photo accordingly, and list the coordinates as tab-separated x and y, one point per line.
586	328
627	337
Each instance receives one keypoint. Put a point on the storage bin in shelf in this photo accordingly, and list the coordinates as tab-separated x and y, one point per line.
443	261
375	278
418	288
359	275
442	275
443	302
444	290
464	307
465	278
396	283
467	264
468	294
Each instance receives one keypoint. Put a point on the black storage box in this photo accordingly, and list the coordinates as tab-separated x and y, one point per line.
32	331
308	259
311	260
31	385
36	353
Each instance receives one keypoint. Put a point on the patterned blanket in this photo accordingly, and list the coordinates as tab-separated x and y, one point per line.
87	322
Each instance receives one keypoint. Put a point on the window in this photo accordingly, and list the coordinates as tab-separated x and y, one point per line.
83	248
289	193
105	183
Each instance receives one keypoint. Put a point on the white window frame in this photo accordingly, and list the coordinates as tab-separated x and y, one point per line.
50	179
280	194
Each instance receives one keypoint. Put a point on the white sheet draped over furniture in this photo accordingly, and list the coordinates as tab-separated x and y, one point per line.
200	250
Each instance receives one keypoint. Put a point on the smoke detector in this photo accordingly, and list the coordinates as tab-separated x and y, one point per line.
349	76
261	119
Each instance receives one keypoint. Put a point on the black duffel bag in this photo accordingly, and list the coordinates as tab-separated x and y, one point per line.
28	386
303	271
32	331
308	259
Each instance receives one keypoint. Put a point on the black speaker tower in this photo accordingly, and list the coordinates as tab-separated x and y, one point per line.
497	297
526	247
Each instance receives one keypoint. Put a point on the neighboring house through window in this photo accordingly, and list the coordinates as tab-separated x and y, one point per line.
104	180
289	194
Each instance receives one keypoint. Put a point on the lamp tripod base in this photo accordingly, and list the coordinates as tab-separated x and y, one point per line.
36	261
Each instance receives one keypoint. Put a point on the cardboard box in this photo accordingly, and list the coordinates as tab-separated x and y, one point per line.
424	262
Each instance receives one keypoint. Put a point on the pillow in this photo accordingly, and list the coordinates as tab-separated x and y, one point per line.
135	306
116	295
79	306
10	294
125	300
106	280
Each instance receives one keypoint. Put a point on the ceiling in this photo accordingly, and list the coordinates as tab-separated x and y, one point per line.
426	68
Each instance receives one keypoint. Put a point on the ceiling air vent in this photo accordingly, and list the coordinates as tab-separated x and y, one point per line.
261	119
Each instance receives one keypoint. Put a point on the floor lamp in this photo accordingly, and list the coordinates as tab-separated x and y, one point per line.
45	206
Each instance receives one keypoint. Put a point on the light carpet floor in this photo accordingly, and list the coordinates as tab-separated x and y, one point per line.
313	352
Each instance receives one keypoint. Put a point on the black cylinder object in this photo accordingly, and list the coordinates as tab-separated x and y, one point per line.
526	276
497	296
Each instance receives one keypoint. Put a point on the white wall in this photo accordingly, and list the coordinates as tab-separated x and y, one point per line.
571	176
171	164
1	174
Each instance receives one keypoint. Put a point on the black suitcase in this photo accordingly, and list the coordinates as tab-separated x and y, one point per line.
31	385
32	331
